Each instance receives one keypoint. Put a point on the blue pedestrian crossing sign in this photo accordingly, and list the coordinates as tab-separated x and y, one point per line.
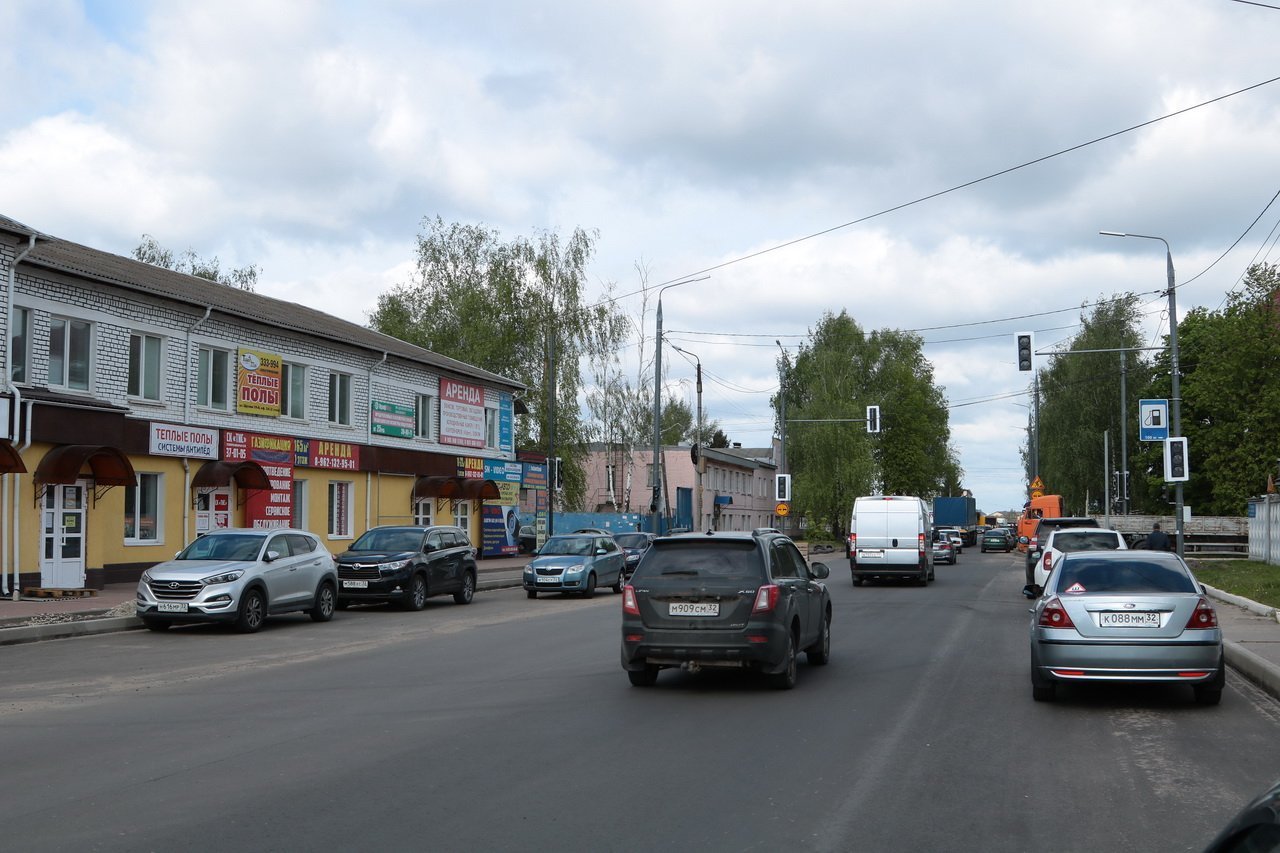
1153	420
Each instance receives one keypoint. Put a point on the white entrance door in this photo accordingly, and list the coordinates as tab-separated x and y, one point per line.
62	546
213	510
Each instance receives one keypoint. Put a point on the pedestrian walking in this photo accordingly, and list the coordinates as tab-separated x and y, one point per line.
1158	540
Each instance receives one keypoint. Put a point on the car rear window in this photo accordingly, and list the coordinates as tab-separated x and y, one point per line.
1082	574
632	540
1086	540
724	559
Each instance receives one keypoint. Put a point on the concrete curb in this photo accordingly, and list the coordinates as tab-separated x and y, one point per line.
86	627
1247	604
1257	669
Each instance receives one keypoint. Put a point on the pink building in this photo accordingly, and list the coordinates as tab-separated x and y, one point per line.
737	485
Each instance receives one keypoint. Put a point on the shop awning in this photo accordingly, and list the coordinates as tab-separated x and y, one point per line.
65	464
215	475
461	488
10	461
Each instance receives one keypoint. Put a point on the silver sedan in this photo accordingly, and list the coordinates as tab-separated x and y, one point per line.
1125	616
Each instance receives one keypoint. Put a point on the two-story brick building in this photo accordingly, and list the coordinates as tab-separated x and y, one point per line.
142	407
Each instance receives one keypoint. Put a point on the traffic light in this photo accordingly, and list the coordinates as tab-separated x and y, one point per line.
559	474
873	418
694	453
1176	467
1025	351
783	491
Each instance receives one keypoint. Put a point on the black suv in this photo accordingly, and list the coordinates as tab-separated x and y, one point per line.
1042	533
745	600
407	564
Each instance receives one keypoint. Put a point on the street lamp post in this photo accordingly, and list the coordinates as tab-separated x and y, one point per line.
1175	378
782	418
655	505
697	466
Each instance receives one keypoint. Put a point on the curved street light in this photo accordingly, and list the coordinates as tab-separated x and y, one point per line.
655	505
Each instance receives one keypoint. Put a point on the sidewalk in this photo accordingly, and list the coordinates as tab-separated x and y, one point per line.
32	619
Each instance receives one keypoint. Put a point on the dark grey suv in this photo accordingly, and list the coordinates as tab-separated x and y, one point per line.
744	600
408	564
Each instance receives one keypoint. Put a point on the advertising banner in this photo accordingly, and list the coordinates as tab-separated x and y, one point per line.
391	419
461	413
258	383
506	422
318	453
191	442
500	519
266	507
470	468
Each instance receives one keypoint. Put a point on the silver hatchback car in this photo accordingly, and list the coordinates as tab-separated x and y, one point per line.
1125	616
240	576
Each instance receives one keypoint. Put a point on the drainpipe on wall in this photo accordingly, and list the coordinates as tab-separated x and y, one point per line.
368	439
186	405
13	491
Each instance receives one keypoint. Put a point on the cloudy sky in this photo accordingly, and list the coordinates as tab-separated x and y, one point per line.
814	156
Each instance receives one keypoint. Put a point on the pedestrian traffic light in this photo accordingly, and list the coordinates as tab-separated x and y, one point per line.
1025	350
783	491
873	418
1176	467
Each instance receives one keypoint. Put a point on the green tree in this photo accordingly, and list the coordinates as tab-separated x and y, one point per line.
1080	400
151	252
1230	397
838	373
514	307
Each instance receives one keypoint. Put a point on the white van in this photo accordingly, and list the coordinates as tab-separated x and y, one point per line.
890	536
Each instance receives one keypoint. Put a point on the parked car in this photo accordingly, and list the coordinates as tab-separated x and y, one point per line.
738	600
1135	616
996	539
634	545
944	550
890	537
596	530
1062	540
408	564
954	536
528	540
240	576
577	562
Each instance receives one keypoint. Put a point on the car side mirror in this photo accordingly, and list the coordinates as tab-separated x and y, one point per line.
1022	540
272	556
1032	590
820	570
600	552
533	553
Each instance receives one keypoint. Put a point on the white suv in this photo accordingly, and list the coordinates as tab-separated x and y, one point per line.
1066	539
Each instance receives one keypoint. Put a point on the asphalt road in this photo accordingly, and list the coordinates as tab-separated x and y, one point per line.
509	725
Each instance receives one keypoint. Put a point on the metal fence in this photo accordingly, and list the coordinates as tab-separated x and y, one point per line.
1264	529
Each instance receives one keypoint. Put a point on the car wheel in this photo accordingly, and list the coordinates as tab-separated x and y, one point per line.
253	611
468	591
415	597
820	652
590	591
932	575
646	677
857	581
1043	692
326	602
157	624
342	603
617	586
786	679
531	593
923	580
1210	692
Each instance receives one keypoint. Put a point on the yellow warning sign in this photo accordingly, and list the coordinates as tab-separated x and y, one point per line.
782	509
1037	483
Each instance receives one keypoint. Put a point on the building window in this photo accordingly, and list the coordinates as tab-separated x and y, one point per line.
69	354
424	414
490	427
462	515
19	337
141	515
293	391
213	378
144	366
298	508
424	512
340	399
339	510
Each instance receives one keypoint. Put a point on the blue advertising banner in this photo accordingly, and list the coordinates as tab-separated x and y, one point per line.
500	519
506	422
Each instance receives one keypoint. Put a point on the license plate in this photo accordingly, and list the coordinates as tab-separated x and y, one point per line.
869	554
355	584
548	579
172	607
1132	619
690	608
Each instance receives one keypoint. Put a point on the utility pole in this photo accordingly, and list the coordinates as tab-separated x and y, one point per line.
782	429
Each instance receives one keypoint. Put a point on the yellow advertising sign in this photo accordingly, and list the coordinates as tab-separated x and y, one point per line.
258	383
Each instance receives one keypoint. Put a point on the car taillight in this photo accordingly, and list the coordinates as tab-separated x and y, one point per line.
853	541
920	543
1048	562
1203	617
629	601
766	598
1054	615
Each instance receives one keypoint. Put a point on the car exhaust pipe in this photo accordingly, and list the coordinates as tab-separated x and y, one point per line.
692	667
